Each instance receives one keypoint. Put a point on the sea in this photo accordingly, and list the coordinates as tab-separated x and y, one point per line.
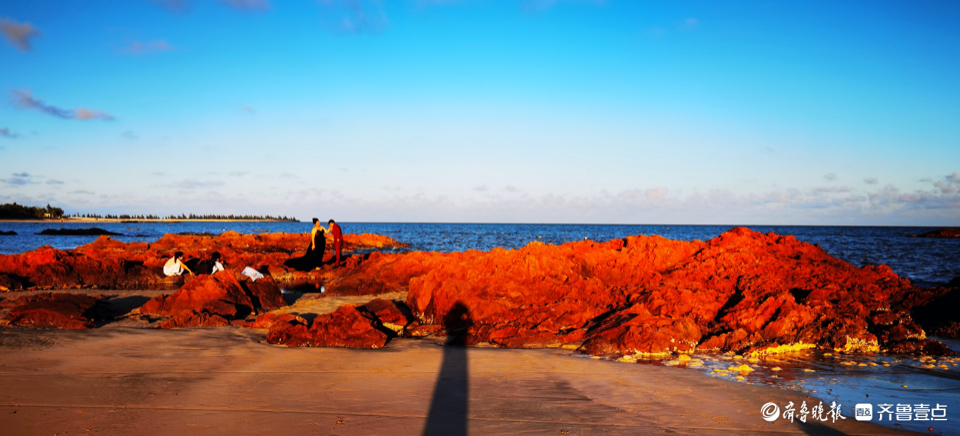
901	391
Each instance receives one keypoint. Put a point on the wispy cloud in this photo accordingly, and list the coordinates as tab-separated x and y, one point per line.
24	99
830	176
354	16
18	34
871	180
546	5
690	24
19	179
480	188
248	109
54	182
129	135
248	5
177	6
195	184
238	173
82	192
6	133
949	184
149	47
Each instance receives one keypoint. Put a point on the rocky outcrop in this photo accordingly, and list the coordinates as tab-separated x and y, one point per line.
59	310
214	300
345	327
390	315
940	233
107	263
93	231
219	294
742	291
10	282
936	310
273	321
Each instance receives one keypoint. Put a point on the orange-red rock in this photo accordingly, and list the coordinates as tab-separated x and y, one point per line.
192	318
345	327
107	263
264	293
219	294
274	321
388	313
741	291
940	233
60	310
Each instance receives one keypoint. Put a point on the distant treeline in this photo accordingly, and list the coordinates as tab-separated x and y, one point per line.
185	217
14	211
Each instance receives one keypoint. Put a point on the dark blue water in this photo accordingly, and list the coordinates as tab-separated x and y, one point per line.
925	261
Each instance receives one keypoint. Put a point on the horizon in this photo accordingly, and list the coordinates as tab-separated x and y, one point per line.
474	112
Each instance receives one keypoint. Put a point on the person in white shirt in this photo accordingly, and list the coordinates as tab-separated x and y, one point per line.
217	266
175	266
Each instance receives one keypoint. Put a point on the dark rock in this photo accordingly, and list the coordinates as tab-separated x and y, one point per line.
8	233
94	231
60	310
940	233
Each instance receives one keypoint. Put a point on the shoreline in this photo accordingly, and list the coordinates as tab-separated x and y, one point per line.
122	380
194	379
145	220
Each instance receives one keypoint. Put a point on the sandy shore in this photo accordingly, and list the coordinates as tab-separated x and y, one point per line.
124	379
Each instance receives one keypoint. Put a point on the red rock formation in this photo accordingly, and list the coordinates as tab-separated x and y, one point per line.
9	282
274	321
192	318
742	291
345	327
940	233
389	315
264	293
219	294
60	310
214	300
107	263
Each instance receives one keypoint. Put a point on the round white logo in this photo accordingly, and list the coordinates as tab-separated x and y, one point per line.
770	412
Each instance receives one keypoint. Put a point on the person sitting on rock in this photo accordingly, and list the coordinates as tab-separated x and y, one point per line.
217	266
175	266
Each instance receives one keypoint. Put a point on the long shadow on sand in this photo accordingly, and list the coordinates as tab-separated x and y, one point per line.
449	408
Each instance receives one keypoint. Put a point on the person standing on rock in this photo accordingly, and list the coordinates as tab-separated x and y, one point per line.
337	237
175	266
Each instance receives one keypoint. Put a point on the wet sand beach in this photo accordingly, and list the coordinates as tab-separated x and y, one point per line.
125	379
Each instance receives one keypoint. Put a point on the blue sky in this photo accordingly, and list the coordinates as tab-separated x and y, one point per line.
588	111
